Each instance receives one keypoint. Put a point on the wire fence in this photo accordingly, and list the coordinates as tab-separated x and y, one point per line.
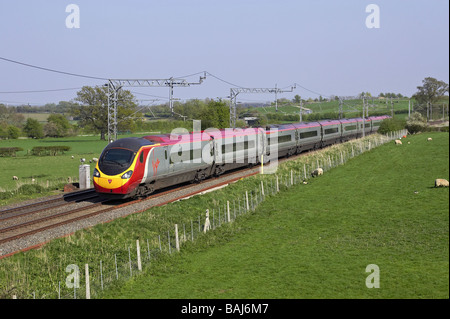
89	280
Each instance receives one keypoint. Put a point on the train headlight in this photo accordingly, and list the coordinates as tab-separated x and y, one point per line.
127	175
96	173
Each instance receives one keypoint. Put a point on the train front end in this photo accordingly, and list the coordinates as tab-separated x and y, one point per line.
119	170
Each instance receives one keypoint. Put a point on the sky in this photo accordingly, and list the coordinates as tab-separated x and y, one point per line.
324	46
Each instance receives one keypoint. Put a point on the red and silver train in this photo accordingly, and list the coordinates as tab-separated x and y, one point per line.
137	166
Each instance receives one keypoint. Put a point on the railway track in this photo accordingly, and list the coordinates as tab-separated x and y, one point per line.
33	220
19	224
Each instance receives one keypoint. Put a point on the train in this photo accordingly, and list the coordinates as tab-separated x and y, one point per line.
135	167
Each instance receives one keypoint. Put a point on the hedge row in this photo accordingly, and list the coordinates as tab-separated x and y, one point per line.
9	151
49	150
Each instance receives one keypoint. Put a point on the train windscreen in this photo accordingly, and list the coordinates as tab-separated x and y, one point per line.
115	160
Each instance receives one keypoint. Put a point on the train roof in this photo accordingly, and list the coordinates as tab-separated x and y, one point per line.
329	122
130	143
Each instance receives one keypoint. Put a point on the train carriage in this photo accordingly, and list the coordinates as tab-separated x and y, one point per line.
309	136
133	167
331	132
349	129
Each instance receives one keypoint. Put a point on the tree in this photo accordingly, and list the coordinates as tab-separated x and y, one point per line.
13	132
93	110
216	115
430	91
297	99
33	128
57	126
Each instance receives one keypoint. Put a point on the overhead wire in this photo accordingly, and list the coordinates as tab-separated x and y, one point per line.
53	70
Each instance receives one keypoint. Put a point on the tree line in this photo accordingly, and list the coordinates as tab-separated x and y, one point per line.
89	109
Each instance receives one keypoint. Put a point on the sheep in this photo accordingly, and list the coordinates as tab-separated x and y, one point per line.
73	157
317	172
15	178
398	142
95	159
439	182
429	139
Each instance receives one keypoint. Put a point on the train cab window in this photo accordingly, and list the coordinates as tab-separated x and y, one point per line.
165	154
141	157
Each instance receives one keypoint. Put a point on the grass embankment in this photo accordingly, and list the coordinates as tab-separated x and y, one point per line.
315	240
308	241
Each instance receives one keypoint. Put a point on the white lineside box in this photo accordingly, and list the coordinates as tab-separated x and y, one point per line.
85	176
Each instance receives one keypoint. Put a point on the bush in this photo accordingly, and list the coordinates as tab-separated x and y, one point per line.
416	123
49	150
30	189
391	125
9	151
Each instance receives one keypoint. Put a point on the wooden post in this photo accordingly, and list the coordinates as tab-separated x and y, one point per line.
278	187
246	198
262	188
88	288
262	163
138	255
228	211
177	242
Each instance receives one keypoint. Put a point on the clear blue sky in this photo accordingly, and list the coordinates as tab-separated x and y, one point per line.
323	45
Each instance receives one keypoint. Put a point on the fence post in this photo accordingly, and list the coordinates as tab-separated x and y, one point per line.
101	274
138	248
246	198
228	211
177	242
115	261
88	288
278	187
262	188
129	258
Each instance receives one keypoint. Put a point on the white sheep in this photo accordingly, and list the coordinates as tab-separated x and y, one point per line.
429	139
317	172
398	142
95	159
15	178
440	182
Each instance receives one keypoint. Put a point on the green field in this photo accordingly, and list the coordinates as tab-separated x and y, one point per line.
308	241
315	240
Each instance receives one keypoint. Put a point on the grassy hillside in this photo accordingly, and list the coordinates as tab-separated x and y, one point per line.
308	241
315	240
